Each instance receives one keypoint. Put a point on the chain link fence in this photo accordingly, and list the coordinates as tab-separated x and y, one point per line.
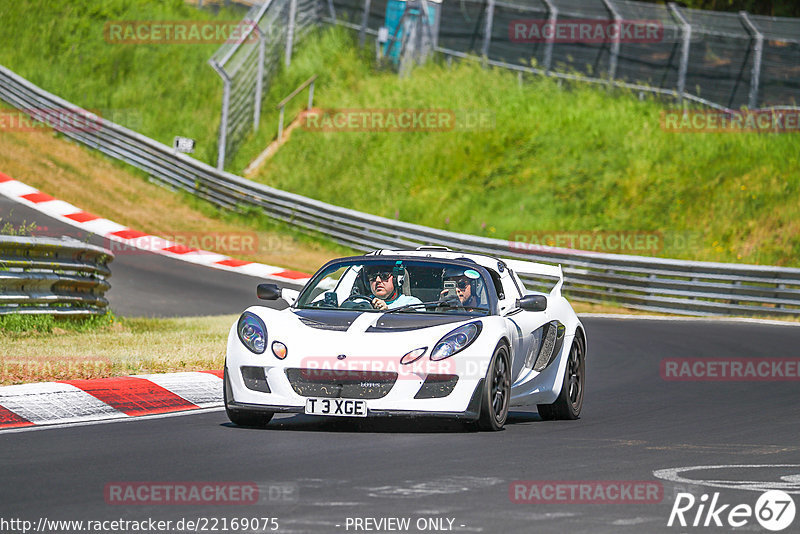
724	60
247	65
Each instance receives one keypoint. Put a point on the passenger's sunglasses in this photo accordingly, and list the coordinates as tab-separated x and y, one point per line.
374	276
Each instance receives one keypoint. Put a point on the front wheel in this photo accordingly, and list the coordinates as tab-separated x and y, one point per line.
496	391
237	417
570	401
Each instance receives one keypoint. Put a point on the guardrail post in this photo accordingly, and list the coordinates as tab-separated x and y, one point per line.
262	46
687	39
487	33
311	95
612	63
364	22
331	10
552	19
223	122
290	32
757	53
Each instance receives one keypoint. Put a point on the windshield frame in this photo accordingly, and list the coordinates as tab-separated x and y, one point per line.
491	293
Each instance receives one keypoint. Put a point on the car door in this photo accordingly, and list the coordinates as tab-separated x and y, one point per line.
524	323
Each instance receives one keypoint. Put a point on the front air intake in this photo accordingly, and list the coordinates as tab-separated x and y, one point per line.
437	386
255	379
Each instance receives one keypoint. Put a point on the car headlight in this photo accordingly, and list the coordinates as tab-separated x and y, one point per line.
252	332
456	341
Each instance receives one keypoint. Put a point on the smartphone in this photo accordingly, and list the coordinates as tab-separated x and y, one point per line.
331	299
450	290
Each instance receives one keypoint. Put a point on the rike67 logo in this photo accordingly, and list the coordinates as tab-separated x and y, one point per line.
774	510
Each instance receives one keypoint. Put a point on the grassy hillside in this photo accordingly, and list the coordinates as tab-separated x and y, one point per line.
161	90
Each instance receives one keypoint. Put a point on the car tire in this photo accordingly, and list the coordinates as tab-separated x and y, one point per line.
239	417
569	403
496	391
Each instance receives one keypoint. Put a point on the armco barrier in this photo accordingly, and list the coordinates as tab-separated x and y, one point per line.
687	287
42	275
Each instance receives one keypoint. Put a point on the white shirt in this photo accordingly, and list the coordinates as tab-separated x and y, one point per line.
403	300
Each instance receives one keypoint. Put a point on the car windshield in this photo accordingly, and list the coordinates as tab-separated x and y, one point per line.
402	286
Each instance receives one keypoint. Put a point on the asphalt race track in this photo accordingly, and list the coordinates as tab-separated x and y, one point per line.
314	474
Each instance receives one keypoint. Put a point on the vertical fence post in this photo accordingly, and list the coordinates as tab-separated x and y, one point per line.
687	39
311	94
223	122
757	53
612	62
331	10
262	46
364	21
290	32
552	19
487	33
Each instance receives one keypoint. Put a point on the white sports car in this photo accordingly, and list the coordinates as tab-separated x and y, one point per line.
427	332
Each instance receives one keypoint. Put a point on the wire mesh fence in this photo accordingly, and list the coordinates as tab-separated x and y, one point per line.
725	60
247	65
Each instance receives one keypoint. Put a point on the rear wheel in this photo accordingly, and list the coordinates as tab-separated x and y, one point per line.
238	417
496	391
570	401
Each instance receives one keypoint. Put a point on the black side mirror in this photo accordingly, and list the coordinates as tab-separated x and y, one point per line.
533	303
268	291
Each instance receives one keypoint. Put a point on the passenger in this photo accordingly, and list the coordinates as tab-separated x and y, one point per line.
465	287
385	288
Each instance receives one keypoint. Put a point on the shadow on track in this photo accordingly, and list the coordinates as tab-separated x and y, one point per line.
391	425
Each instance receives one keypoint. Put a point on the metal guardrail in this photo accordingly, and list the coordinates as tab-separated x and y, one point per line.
687	287
42	275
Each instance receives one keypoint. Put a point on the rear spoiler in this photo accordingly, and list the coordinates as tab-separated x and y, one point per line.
539	269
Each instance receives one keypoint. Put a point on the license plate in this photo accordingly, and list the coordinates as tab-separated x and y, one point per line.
337	407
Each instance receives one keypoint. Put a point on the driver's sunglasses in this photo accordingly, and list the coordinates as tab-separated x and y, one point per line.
374	276
462	284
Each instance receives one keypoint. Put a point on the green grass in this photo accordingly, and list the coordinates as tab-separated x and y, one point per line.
22	325
161	90
578	158
23	229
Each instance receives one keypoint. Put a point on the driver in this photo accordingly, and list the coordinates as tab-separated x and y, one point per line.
384	287
465	286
